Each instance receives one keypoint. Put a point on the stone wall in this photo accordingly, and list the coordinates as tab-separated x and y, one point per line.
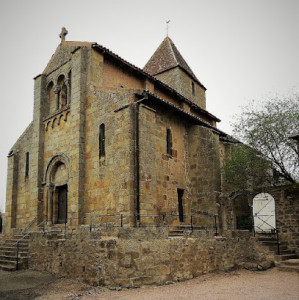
287	215
182	82
18	184
162	173
137	257
204	170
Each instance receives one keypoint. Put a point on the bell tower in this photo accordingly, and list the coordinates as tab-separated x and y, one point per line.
168	65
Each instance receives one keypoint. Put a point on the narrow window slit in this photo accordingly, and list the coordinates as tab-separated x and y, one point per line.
102	141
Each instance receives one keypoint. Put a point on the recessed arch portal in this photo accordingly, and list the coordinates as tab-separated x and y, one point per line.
57	178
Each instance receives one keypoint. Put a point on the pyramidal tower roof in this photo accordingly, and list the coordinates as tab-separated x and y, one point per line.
167	57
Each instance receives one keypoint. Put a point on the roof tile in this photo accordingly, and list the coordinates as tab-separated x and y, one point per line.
167	57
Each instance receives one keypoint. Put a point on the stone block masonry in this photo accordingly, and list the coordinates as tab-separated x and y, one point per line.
287	215
137	257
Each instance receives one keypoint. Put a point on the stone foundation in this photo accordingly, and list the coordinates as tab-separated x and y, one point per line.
137	257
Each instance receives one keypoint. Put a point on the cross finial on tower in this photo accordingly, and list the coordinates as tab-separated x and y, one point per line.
167	22
63	33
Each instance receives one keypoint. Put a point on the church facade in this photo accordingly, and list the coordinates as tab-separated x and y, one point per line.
108	138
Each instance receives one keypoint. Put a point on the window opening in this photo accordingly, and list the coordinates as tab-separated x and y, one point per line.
69	86
61	90
193	88
180	205
102	141
169	141
27	165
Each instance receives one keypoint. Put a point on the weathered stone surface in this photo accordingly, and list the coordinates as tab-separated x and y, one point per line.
130	261
79	90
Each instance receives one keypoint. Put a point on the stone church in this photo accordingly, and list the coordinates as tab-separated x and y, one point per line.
109	138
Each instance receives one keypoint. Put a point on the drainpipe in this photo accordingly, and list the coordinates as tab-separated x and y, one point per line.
137	162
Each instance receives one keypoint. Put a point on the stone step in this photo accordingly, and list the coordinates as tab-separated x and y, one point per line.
12	260
273	246
288	268
273	242
13	257
261	239
284	257
290	262
8	267
23	242
20	236
8	252
14	241
282	252
176	233
290	265
13	254
11	248
61	240
5	262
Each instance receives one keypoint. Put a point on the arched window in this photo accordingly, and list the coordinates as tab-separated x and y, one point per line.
61	92
169	142
102	140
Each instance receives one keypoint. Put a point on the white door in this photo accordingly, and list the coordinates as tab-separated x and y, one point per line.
264	213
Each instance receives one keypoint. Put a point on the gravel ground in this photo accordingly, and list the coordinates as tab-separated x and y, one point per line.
271	284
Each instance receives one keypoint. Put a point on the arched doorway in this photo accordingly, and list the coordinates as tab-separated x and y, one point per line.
57	176
264	213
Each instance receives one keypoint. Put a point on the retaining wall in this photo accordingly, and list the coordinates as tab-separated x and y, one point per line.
137	257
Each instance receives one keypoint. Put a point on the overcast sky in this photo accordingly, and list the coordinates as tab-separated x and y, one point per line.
239	49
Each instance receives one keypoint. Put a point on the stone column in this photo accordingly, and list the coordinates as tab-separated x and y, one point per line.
11	192
37	149
57	90
50	204
68	98
77	138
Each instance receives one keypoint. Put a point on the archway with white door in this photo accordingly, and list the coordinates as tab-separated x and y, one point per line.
264	213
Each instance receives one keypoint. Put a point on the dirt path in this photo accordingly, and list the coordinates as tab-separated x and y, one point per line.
241	284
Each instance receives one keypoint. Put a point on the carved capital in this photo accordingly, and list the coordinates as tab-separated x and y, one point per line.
67	82
57	89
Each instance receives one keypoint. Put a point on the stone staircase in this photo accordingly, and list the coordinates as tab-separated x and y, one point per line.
271	243
58	231
8	249
176	231
290	265
8	253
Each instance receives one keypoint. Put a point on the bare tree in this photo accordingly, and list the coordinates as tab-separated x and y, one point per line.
267	126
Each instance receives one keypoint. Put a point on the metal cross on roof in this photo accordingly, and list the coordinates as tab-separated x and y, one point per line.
167	25
63	33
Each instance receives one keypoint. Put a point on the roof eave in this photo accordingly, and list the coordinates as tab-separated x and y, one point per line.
193	118
139	71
